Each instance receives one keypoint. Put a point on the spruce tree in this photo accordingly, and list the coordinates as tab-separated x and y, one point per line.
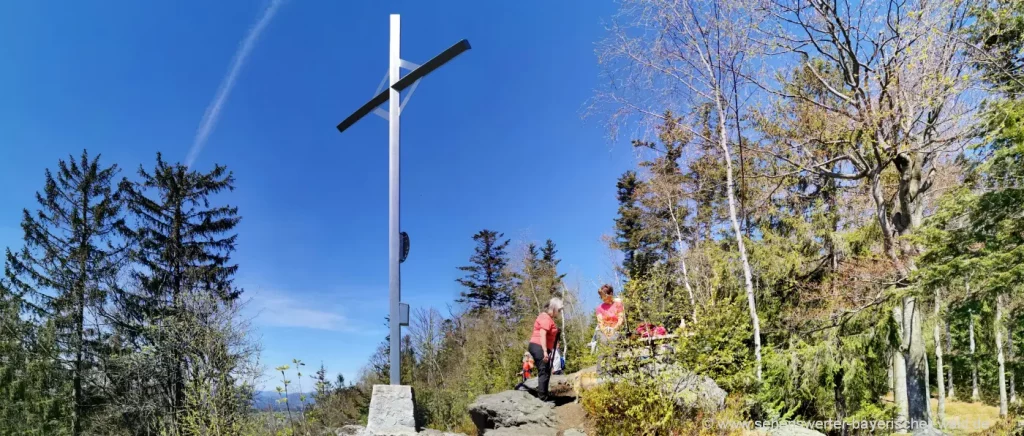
34	394
549	267
488	286
183	245
67	264
630	235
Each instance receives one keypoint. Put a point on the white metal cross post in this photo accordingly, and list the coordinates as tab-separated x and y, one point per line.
398	242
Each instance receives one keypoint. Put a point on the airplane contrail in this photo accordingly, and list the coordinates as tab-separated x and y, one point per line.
209	120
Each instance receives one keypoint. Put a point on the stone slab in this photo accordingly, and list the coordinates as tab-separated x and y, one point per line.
391	411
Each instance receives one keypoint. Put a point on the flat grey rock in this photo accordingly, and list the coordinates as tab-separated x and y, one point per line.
574	432
793	430
559	385
350	430
511	409
531	430
928	430
432	432
391	411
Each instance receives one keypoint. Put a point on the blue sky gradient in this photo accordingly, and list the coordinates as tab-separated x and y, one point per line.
496	139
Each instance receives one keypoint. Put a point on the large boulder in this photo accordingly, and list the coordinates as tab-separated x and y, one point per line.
793	430
689	390
511	409
568	385
558	386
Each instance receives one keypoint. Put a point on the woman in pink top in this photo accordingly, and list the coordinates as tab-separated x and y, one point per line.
610	316
543	340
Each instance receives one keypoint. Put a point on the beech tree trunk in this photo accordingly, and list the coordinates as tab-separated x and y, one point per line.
997	324
899	375
916	364
1010	354
940	411
975	396
949	376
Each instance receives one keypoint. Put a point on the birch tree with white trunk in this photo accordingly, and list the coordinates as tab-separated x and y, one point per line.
683	56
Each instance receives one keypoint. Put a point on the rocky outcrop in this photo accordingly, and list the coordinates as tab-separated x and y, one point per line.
512	412
928	430
559	385
432	432
569	385
532	430
689	391
349	430
793	430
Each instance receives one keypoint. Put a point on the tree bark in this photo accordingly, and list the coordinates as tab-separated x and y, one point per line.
975	396
747	276
997	324
917	402
927	379
1010	355
682	260
949	376
889	374
940	411
899	375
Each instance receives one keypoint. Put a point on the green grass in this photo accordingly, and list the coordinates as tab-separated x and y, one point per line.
964	418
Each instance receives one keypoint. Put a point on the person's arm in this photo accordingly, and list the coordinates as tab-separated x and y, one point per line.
544	343
622	315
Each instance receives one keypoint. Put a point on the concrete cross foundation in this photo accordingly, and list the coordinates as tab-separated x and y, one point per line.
391	411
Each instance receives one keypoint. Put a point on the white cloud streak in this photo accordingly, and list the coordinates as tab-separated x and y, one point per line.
209	120
278	310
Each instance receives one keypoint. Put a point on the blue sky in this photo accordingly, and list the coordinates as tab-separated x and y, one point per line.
496	139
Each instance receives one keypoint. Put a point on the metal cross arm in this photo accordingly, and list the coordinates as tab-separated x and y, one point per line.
405	82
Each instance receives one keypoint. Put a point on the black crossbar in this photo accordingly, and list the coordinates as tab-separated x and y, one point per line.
405	82
378	100
432	65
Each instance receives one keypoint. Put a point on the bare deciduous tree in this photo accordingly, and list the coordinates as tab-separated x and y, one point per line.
894	78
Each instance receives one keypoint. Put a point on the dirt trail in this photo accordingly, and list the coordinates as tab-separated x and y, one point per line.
572	415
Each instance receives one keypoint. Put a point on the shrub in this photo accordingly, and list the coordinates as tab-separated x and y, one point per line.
630	408
719	346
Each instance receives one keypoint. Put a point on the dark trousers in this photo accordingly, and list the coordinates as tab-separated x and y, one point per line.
543	370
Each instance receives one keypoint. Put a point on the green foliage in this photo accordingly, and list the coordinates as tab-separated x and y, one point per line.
638	408
718	346
836	377
34	394
488	286
337	404
66	266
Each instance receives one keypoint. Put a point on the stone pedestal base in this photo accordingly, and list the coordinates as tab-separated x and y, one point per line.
391	411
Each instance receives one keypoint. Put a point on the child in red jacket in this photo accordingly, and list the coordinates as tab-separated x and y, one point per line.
527	366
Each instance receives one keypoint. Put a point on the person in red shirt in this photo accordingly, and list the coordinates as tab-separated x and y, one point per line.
543	340
527	365
610	316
